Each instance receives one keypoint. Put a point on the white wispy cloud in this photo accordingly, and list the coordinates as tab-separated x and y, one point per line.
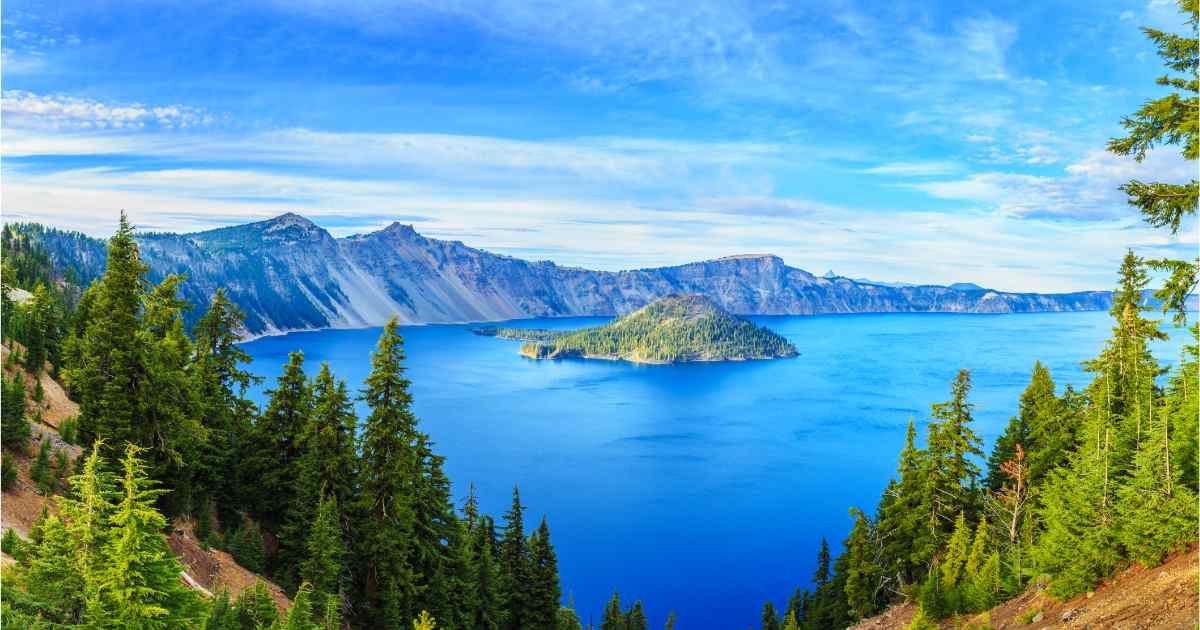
1087	191
913	169
58	111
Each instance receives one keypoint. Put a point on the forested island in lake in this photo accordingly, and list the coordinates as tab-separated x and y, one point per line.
676	329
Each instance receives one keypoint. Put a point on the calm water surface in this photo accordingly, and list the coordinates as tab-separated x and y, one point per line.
702	487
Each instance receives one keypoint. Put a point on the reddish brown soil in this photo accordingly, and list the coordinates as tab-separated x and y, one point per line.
1138	598
215	570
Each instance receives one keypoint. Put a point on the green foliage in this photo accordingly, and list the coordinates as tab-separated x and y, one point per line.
255	608
424	622
863	574
68	431
42	471
770	618
222	615
949	468
568	620
220	382
514	567
127	367
545	595
955	557
103	562
300	615
326	551
8	473
14	427
278	436
384	512
921	621
246	546
1169	120
12	544
1028	615
676	328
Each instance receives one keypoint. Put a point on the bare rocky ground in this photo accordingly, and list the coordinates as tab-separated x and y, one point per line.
1138	598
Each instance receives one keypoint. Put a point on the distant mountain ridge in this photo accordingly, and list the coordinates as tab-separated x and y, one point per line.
289	274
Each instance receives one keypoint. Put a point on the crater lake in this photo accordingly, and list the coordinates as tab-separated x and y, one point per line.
703	488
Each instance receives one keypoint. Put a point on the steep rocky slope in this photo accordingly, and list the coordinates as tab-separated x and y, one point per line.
289	274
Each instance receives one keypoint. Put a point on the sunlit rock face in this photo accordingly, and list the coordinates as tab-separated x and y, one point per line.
288	274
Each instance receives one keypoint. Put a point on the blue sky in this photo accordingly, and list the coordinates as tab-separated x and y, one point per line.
917	141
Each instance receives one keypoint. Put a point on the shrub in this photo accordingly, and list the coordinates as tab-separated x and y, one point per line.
1027	616
14	426
62	467
8	473
246	546
41	472
69	431
12	545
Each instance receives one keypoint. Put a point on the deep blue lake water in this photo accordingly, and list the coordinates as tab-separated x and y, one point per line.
703	488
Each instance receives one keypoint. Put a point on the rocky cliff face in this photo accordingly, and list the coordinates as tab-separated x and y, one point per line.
289	274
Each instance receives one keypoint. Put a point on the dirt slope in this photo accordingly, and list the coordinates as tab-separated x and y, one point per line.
214	570
1138	598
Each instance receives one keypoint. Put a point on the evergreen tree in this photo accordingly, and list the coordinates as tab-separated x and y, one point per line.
14	430
300	615
138	576
951	473
635	619
278	438
613	618
671	621
1169	120
1156	512
221	384
107	381
862	575
384	513
128	369
770	618
907	544
568	619
246	546
435	529
957	550
545	594
325	547
821	576
488	612
797	605
255	608
514	567
326	462
1183	408
169	428
1078	546
1039	413
221	613
41	471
